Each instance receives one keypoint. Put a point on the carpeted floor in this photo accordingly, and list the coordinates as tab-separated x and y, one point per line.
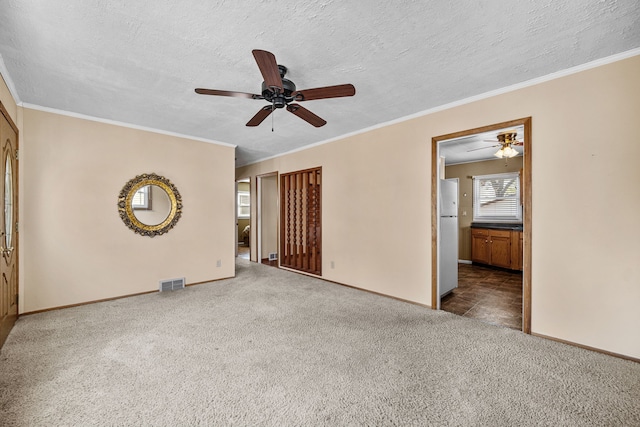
273	348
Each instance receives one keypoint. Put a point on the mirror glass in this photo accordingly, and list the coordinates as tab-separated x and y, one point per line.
8	203
151	205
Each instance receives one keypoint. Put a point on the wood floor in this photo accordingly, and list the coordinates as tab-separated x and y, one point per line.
243	252
491	295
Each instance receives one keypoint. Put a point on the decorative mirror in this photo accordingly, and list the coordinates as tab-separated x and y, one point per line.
150	204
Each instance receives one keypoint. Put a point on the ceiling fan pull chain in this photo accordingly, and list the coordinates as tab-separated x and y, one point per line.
273	109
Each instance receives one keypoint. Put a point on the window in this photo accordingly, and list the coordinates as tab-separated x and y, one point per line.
244	204
497	198
142	198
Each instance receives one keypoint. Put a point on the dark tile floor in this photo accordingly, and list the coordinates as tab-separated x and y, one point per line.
491	295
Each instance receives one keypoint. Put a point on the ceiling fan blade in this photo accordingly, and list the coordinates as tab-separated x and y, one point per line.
269	68
260	116
512	142
484	148
306	115
325	92
228	93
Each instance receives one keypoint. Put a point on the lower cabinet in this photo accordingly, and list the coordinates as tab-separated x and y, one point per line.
516	250
500	248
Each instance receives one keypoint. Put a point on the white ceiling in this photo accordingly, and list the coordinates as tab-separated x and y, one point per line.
138	62
477	147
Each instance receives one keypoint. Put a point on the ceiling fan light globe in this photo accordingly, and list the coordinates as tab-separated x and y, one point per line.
510	152
499	154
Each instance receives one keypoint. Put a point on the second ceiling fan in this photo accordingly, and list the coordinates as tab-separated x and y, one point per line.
281	92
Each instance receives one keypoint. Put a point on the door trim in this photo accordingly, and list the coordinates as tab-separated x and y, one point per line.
526	189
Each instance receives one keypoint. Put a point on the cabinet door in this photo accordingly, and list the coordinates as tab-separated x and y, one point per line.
520	251
500	242
480	247
516	250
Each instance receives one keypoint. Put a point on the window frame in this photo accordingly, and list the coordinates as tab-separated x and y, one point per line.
240	205
517	218
145	190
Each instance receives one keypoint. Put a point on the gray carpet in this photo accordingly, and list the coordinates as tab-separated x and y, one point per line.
272	348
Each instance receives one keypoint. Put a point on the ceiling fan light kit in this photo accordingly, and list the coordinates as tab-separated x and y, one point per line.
506	141
280	92
506	151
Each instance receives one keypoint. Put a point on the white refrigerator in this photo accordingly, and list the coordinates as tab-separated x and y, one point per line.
448	236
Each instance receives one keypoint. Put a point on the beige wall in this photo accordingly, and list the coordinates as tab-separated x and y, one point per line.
465	206
269	210
75	247
585	149
8	101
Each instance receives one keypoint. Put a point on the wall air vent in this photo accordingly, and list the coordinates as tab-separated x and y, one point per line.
172	284
273	256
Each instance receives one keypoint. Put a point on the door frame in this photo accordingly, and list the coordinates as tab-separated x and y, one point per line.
526	214
247	180
236	219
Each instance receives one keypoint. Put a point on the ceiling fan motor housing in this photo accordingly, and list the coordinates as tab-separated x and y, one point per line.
279	100
507	137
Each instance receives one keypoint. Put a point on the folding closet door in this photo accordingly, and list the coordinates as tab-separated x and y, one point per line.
300	220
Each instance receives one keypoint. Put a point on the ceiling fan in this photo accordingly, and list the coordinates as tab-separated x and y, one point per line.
506	141
281	92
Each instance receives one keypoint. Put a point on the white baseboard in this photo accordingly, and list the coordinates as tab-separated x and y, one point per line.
464	261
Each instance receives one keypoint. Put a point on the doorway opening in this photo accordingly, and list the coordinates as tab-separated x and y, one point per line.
267	219
493	220
243	218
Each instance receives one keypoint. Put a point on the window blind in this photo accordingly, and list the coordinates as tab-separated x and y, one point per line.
244	204
140	199
497	197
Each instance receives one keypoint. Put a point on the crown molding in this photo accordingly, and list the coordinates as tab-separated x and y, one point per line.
538	80
122	124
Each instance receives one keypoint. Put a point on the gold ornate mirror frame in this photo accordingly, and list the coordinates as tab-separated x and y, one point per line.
125	208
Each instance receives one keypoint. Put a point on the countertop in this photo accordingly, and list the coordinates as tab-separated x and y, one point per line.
497	225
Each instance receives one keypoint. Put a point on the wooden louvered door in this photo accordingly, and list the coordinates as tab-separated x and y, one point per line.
300	221
8	225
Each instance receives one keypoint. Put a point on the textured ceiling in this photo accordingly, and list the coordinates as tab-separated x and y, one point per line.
138	62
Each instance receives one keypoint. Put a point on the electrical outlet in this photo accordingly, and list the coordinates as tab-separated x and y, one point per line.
333	264
219	263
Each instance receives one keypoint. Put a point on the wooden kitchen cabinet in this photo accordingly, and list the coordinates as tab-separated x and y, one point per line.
500	248
516	250
500	245
480	246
